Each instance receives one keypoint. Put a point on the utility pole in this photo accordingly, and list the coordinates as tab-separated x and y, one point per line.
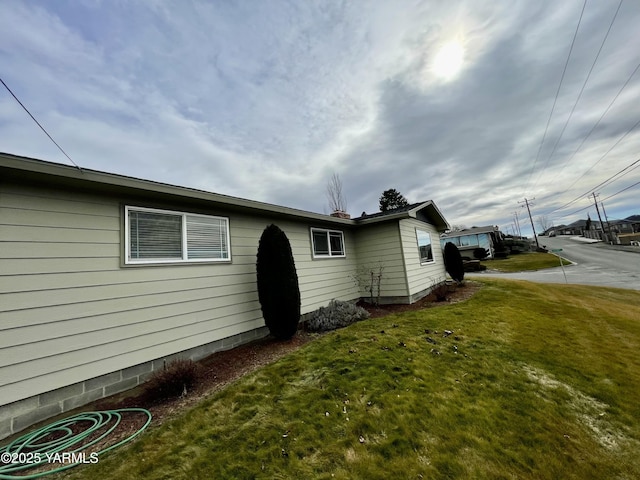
518	223
608	224
526	202
599	217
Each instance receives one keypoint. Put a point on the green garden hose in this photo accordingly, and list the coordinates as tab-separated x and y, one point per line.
33	449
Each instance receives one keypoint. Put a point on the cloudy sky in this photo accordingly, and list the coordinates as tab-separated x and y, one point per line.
465	103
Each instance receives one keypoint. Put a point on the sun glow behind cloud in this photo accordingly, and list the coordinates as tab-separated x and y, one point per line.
448	61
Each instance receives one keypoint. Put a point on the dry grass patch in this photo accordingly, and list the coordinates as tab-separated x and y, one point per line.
590	412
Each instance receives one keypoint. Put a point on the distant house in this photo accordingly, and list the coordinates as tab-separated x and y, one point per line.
104	277
576	228
469	239
627	230
627	225
620	229
579	227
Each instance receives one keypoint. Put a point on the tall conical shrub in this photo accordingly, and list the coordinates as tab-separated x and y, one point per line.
453	262
278	289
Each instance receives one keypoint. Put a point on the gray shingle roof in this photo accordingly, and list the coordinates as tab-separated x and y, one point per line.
390	212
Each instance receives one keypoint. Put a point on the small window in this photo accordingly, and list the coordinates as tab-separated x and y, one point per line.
327	243
424	246
161	236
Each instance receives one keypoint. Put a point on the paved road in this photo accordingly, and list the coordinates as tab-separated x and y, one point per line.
594	265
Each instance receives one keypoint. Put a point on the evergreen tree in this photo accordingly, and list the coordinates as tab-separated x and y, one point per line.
453	262
392	199
278	289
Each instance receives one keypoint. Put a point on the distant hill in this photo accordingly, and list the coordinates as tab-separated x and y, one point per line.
633	218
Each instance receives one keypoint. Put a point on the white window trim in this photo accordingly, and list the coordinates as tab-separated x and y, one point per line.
127	244
433	259
329	255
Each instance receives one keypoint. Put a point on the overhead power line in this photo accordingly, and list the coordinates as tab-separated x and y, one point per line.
601	184
38	123
577	211
611	179
610	196
589	134
593	166
555	100
606	153
623	190
603	115
595	60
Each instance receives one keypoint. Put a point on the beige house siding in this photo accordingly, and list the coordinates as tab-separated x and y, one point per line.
320	280
420	277
77	323
377	246
71	311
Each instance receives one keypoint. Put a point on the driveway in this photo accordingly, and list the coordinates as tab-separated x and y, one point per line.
594	264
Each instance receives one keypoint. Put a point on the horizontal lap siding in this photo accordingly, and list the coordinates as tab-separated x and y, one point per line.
421	277
69	311
320	280
379	246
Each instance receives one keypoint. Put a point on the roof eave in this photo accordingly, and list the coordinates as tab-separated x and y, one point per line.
436	217
75	176
79	176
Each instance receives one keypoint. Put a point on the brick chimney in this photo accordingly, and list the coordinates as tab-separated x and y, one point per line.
340	214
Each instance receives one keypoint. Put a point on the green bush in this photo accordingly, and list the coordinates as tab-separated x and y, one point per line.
453	262
278	289
175	379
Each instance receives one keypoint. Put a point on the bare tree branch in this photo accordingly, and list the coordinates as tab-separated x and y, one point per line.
337	201
544	222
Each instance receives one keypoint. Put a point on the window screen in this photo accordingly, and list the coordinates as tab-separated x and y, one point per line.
327	243
159	236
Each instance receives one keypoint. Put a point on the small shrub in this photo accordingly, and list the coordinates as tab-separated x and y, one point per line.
369	279
337	314
480	253
441	292
176	378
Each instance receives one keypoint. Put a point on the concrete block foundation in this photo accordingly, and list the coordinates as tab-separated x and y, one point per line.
20	415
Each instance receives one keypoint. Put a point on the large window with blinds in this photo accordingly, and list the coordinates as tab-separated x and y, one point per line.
163	236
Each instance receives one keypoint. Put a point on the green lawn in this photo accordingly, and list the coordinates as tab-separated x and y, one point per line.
535	382
524	261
